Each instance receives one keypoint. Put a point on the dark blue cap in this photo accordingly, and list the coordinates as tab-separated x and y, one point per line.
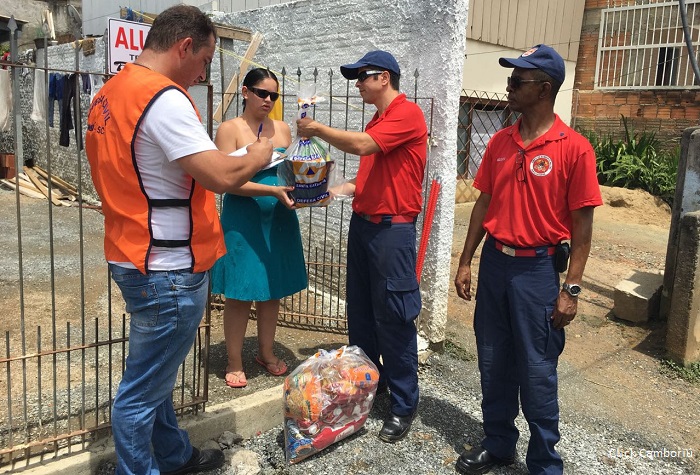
378	59
540	57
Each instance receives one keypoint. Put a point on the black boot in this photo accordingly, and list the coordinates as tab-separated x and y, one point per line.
478	460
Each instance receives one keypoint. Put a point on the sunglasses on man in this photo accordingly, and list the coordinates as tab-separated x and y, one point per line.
363	75
263	94
514	82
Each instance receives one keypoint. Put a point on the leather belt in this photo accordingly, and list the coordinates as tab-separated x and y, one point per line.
523	251
387	218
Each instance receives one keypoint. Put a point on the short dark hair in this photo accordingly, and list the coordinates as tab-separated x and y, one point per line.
394	80
256	75
542	76
176	23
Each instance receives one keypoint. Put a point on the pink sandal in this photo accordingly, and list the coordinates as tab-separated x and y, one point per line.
239	382
278	368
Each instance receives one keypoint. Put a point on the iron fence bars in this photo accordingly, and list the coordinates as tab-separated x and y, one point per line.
481	114
57	385
65	334
321	306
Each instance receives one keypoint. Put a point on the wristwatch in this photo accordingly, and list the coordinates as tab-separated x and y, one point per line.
571	289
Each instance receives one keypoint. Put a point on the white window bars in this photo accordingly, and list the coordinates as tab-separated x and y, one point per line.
643	47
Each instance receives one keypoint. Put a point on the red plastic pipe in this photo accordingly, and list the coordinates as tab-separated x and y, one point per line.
435	186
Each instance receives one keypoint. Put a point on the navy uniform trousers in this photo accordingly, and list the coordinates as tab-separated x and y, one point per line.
518	349
383	302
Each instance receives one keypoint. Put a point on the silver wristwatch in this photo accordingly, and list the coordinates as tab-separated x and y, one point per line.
572	289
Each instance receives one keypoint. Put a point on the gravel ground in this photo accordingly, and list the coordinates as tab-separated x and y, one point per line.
449	418
449	415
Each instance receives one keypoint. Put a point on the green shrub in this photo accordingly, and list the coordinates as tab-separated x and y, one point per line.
636	161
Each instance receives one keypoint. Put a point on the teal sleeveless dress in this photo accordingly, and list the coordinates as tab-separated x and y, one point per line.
264	258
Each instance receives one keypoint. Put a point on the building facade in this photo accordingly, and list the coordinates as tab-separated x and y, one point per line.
634	62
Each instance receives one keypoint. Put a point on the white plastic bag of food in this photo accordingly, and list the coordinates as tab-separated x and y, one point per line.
327	398
308	166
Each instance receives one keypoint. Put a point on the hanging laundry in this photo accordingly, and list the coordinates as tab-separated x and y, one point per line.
40	96
5	101
55	94
95	85
69	91
85	82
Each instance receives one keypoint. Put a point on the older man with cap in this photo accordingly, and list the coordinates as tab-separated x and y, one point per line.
383	297
538	189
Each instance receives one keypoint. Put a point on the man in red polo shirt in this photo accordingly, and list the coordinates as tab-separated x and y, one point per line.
382	289
538	188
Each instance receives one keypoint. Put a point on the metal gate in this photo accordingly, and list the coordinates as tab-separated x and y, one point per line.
65	329
481	114
321	306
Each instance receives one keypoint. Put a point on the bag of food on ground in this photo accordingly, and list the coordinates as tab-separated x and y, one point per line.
308	166
327	398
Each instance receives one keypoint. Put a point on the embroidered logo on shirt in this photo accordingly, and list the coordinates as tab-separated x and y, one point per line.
541	165
501	159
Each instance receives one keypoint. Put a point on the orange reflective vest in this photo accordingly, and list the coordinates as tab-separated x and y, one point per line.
113	122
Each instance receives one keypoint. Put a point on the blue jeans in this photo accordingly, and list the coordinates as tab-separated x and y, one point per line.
166	309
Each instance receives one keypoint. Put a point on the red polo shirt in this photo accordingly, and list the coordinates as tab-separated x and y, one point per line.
390	182
559	171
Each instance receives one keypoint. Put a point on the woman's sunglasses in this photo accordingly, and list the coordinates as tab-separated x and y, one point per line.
262	93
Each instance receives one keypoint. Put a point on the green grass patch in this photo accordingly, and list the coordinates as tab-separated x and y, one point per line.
456	351
690	373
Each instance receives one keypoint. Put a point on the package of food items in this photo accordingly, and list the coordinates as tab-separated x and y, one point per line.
308	166
326	399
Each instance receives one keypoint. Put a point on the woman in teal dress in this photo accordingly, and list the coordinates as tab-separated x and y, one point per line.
264	261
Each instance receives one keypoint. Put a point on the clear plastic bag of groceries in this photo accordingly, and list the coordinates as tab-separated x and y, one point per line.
308	166
326	399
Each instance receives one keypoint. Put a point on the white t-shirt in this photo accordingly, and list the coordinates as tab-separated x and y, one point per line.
169	130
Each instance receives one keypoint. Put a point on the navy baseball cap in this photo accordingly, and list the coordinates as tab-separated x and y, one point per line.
540	57
379	59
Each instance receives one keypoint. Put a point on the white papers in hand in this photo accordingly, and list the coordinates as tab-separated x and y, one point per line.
277	157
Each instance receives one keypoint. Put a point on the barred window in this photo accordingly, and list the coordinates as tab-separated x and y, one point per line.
481	114
643	46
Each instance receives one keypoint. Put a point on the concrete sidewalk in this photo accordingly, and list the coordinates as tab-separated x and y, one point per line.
247	416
